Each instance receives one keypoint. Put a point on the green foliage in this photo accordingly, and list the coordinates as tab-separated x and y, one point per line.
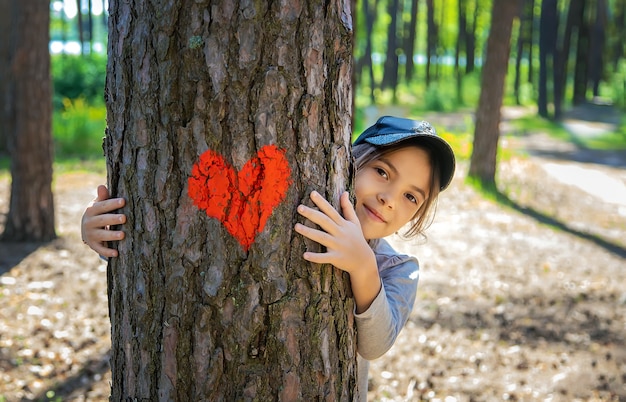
535	124
78	129
76	76
461	143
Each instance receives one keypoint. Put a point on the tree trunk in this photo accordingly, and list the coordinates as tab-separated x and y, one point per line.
431	39
209	298
574	14
409	46
6	84
524	41
31	208
79	24
597	45
461	46
620	32
487	132
471	40
548	30
582	57
390	68
370	17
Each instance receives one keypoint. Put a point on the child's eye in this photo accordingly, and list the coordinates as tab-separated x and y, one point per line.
411	198
381	172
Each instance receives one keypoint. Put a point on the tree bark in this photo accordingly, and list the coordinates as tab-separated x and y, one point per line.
31	207
390	67
574	15
548	30
197	312
411	40
6	84
487	131
581	62
431	39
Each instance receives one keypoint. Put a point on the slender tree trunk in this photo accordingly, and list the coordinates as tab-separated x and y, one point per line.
471	41
79	22
487	131
597	45
6	84
461	46
547	45
620	32
370	18
431	40
582	57
524	39
531	44
409	48
90	25
31	208
390	69
222	117
562	56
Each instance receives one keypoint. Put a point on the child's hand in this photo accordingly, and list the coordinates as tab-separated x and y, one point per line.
346	248
96	220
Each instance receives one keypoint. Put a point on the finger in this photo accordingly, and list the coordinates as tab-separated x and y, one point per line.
102	193
347	208
102	235
317	258
103	251
317	217
317	236
106	206
101	221
325	207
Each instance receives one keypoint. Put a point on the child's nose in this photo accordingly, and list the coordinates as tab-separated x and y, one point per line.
386	200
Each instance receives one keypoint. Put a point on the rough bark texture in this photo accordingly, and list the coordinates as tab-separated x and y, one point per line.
31	208
194	315
487	131
6	121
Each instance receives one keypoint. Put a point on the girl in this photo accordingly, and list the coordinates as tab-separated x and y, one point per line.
401	167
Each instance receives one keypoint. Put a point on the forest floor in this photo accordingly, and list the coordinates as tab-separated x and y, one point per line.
523	301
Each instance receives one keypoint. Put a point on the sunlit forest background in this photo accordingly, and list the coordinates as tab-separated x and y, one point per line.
418	55
521	293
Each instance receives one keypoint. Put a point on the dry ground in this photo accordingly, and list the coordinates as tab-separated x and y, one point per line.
519	302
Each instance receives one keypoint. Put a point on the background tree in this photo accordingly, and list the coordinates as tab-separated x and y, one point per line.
411	39
365	60
29	94
581	58
524	45
390	71
548	30
572	22
487	131
431	40
202	307
6	120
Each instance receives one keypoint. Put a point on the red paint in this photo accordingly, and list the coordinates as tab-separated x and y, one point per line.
244	200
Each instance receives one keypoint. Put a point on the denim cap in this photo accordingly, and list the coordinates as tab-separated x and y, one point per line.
389	130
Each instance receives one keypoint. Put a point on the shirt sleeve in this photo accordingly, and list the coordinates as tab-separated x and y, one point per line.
379	326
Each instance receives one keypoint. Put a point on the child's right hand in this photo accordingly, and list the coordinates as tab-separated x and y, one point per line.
97	219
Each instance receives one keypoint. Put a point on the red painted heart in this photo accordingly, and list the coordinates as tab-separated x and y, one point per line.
244	200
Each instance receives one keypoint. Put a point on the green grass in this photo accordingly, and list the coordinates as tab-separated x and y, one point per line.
535	124
78	129
63	165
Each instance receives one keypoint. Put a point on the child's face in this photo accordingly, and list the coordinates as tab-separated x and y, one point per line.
389	190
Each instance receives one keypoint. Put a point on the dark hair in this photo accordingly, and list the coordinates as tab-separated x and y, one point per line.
364	153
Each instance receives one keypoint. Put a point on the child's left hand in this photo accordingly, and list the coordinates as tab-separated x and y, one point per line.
346	248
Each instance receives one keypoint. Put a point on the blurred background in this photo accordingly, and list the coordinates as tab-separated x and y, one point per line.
521	295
